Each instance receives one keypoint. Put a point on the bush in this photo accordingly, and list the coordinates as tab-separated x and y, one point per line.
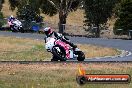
125	17
32	26
27	13
1	19
30	16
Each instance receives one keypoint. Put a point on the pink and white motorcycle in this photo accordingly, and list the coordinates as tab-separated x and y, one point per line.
15	26
62	51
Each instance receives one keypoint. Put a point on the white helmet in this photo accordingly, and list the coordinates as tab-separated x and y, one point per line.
48	31
11	17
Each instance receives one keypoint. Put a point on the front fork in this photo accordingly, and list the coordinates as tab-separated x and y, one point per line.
73	53
76	52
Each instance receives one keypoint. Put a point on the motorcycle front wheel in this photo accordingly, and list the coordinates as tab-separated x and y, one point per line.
54	59
12	28
81	55
59	53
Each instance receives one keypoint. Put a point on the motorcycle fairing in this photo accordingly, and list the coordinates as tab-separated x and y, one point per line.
66	47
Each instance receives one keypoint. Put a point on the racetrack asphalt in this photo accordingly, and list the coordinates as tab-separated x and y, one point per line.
113	43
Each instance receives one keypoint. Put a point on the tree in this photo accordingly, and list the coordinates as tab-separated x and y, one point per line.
124	15
63	7
1	2
27	9
97	12
27	13
1	15
50	7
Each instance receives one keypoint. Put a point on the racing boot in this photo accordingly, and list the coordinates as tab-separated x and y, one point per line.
73	45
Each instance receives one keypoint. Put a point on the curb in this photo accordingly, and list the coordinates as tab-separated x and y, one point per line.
123	54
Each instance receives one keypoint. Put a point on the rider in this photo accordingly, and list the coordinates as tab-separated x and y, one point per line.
50	33
11	18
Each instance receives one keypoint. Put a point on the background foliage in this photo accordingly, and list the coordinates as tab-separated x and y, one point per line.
97	12
124	15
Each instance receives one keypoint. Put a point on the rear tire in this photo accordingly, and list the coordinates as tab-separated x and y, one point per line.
21	30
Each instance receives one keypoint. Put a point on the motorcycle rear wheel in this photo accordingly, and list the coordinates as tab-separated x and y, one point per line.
22	30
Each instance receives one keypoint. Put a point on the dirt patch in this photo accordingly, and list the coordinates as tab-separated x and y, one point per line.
52	66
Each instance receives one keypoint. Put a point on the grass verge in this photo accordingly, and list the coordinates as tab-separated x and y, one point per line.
58	75
12	48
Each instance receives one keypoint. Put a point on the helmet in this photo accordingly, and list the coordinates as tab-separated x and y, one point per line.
11	17
48	31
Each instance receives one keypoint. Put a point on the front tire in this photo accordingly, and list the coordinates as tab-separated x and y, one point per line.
59	55
54	59
12	28
81	56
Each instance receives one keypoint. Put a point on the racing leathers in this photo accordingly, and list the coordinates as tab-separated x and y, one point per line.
62	38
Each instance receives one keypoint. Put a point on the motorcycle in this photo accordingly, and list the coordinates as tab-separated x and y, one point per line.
62	51
16	26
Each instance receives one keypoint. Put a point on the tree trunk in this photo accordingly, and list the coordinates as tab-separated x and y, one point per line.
62	22
130	34
97	34
0	5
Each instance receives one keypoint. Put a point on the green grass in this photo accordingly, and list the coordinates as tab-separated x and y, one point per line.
36	53
12	48
57	75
